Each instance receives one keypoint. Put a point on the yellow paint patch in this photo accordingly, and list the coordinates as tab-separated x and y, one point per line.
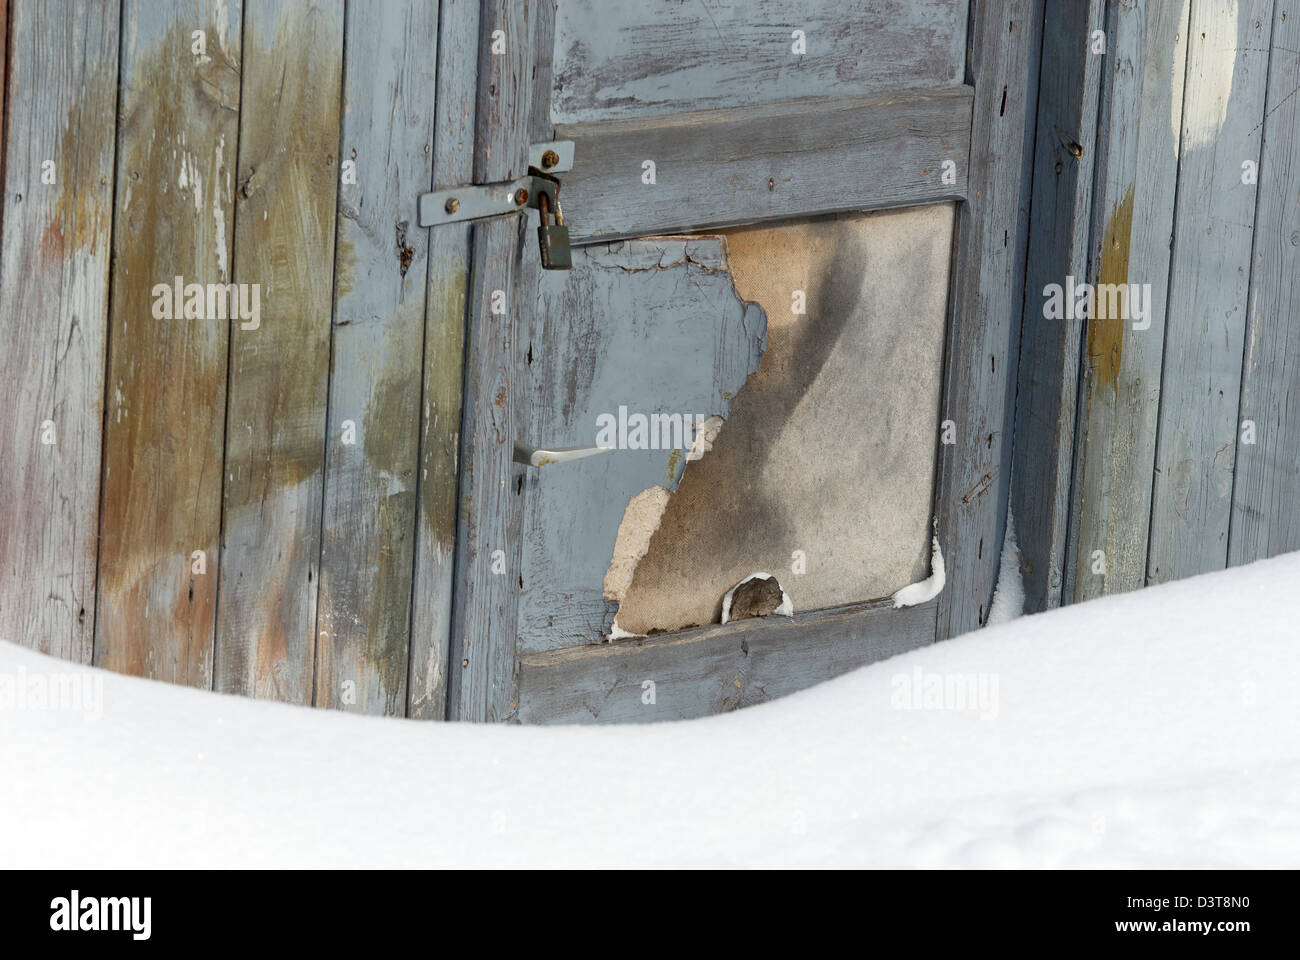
1106	329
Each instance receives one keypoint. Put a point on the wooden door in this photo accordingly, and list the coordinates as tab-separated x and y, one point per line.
688	121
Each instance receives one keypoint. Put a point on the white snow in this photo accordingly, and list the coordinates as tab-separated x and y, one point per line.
786	609
1009	593
618	633
927	589
1153	729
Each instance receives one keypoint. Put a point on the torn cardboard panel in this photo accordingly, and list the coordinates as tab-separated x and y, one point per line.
825	465
639	524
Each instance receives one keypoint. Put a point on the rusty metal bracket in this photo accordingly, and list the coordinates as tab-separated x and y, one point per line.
479	201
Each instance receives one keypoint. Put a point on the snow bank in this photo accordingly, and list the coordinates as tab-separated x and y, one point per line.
1152	729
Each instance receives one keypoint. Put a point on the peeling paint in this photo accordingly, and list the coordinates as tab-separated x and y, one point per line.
1204	116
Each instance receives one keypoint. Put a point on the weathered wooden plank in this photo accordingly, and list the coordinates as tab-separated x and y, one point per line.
540	125
284	243
58	189
1133	216
791	160
371	460
1058	250
987	295
1227	67
4	88
166	399
1266	491
716	669
483	678
615	59
651	326
444	349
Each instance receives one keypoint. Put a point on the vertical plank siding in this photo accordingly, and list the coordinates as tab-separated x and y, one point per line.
1133	217
166	400
275	424
1187	448
1266	492
1209	273
367	540
444	349
1058	249
483	675
4	89
987	298
54	260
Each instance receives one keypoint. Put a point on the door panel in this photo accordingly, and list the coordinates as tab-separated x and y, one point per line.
823	473
725	167
617	59
683	127
642	328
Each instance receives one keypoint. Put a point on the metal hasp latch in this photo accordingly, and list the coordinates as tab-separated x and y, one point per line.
540	190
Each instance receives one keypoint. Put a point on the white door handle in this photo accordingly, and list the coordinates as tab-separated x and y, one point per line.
541	456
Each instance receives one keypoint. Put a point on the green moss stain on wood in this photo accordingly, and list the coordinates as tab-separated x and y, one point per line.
286	190
166	398
368	541
54	261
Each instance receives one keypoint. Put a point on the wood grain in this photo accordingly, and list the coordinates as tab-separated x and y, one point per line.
166	401
62	96
444	350
275	427
727	167
616	59
987	292
1208	288
483	677
1133	222
1064	157
1266	491
717	669
4	89
368	530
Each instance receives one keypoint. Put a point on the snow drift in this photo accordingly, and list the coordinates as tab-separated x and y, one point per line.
1152	729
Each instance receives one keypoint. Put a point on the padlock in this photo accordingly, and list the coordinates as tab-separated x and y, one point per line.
553	238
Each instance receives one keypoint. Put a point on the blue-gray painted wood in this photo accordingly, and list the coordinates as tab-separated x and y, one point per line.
725	167
1058	248
286	205
1266	491
653	326
165	416
367	534
483	675
616	59
1227	66
54	260
716	669
986	298
444	350
1133	218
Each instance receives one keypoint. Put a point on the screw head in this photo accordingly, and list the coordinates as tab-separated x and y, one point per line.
550	158
452	205
521	197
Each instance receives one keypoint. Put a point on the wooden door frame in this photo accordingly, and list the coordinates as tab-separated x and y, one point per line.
989	116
